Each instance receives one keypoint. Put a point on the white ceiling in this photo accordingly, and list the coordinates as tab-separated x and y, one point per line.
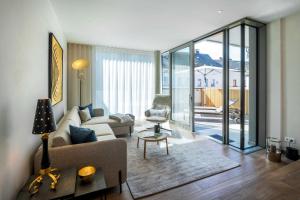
158	24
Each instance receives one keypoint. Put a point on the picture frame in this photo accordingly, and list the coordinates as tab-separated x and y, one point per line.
55	91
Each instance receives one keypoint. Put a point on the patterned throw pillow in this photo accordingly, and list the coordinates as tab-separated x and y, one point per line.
85	115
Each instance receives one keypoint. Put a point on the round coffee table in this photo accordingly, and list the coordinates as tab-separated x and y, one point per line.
149	136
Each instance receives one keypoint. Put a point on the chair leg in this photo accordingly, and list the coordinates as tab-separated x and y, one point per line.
120	181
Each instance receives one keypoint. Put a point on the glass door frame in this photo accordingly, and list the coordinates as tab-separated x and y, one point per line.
242	87
171	52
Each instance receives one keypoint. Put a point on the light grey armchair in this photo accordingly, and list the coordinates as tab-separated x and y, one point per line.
160	111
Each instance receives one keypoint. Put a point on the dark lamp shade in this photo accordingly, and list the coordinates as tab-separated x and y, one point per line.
44	119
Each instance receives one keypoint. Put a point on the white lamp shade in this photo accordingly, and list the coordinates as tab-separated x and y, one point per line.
80	64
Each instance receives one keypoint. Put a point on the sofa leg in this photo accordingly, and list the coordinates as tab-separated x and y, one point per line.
120	181
130	130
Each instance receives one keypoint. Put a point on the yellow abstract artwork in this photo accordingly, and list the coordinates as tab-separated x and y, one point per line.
56	70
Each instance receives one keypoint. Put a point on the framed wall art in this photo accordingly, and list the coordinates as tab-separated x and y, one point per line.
55	70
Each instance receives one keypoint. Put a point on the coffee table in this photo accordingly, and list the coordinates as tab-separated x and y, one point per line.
149	136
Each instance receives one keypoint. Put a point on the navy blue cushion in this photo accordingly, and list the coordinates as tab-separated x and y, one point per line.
82	135
90	106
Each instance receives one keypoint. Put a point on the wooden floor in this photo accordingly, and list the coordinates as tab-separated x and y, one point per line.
256	178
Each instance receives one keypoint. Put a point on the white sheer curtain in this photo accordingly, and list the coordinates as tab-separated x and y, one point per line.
123	80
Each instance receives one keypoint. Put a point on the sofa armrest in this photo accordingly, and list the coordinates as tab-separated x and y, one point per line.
98	112
110	155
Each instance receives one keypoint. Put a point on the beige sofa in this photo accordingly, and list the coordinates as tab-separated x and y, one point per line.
109	152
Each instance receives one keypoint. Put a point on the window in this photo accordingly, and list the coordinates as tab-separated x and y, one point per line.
123	80
165	78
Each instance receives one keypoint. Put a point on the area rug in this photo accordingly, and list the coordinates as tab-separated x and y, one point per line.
184	164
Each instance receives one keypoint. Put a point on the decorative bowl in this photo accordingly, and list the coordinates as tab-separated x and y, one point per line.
87	174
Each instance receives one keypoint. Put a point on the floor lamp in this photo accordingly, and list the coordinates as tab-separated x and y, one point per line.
79	65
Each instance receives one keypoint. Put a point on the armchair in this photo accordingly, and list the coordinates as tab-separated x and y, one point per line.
160	110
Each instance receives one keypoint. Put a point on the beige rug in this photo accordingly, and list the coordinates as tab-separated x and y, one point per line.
184	164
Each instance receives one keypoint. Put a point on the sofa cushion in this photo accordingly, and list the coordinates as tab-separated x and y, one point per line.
105	120
61	136
73	115
100	129
82	135
156	119
85	115
90	107
158	113
106	137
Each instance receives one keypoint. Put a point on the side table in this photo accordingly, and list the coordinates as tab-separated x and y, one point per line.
69	186
98	185
65	188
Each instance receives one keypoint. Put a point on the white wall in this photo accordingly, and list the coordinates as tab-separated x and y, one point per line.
23	79
284	78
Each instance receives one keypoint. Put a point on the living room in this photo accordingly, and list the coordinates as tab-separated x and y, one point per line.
156	99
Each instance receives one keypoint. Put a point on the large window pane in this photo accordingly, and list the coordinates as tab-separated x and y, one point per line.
250	86
165	78
181	86
235	86
208	86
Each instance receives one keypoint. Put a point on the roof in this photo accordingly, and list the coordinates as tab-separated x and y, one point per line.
203	60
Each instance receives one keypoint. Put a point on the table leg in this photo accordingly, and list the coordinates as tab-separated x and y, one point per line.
145	147
137	144
167	146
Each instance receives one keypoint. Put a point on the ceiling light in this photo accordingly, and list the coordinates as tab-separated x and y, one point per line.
220	11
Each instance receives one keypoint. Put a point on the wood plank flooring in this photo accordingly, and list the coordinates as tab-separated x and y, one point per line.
256	178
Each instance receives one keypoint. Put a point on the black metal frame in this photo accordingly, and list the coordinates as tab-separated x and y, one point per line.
225	30
226	86
242	97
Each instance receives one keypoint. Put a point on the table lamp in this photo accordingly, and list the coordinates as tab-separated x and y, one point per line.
44	124
79	65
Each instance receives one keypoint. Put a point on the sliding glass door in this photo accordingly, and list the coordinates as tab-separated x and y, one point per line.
225	84
213	84
234	101
181	79
242	86
209	86
250	77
